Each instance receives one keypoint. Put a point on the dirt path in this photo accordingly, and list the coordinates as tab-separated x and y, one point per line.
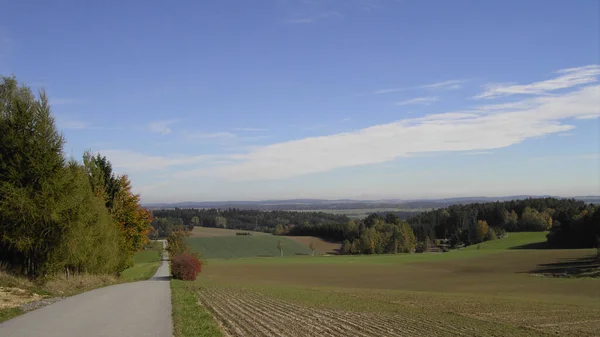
132	309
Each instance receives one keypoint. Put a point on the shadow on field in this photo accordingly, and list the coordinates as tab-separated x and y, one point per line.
534	245
581	267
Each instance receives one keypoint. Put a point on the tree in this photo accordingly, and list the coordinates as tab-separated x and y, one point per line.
280	247
312	248
176	243
532	220
511	220
131	219
220	222
481	231
195	221
32	178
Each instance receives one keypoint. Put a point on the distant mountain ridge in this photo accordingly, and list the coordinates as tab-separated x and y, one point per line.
325	204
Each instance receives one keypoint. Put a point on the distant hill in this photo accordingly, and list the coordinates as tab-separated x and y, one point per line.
341	204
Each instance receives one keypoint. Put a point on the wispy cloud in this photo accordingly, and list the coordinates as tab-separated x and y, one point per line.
470	131
347	119
444	85
567	78
447	85
419	100
132	161
161	127
476	153
210	135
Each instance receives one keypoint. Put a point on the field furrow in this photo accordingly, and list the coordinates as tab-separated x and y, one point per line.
244	313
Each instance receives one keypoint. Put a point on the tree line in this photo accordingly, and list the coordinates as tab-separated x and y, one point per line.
570	222
59	214
275	222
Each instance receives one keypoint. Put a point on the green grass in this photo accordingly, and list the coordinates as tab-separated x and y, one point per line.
146	263
238	253
231	247
514	241
190	319
6	314
485	292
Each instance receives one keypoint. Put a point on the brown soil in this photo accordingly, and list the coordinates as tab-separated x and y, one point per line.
321	246
243	313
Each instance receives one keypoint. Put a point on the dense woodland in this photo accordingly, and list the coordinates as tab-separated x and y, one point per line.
59	215
275	222
571	223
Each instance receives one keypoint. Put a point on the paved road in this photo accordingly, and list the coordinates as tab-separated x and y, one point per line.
137	309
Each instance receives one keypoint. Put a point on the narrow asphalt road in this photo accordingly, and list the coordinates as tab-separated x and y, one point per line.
137	309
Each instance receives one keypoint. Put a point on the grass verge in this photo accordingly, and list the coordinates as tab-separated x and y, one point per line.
6	314
146	263
189	317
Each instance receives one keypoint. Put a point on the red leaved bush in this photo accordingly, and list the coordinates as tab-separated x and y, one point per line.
185	266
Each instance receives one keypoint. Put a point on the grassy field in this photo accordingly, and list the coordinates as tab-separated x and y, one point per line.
146	263
524	240
494	291
231	247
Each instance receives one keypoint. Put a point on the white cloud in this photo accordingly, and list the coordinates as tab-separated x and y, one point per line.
567	78
449	85
475	153
132	161
466	131
419	100
161	127
210	135
444	85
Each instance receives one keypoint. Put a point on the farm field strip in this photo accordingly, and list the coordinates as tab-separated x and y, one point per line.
244	313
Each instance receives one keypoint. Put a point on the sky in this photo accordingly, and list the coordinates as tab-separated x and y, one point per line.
282	99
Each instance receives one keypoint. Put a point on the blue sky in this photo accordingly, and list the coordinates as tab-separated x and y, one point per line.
240	100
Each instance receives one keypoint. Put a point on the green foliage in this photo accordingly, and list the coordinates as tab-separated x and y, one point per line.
176	243
242	219
55	216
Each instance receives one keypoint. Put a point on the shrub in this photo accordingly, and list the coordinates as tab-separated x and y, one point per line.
185	267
